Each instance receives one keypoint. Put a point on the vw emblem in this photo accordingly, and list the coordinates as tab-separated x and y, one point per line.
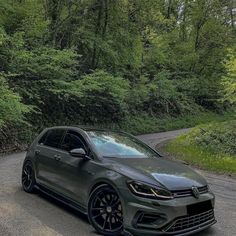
195	192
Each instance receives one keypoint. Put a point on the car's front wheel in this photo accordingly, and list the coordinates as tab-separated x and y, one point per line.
105	211
28	177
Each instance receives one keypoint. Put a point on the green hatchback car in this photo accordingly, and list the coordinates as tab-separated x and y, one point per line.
123	185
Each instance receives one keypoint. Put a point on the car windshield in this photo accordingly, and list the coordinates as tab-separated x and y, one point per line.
115	144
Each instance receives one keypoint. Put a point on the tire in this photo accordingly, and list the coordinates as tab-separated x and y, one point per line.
105	211
28	177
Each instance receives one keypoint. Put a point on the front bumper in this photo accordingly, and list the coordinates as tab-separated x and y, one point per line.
170	217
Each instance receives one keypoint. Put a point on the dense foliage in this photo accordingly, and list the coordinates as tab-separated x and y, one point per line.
99	62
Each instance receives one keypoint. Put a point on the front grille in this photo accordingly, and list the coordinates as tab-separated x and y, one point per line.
199	208
187	222
188	192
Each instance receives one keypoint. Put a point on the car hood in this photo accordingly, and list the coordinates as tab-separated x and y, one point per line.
171	174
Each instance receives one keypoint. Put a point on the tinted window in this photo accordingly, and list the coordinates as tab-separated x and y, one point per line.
43	138
112	144
54	137
71	141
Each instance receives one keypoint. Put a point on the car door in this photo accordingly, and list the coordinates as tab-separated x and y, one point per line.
73	171
47	156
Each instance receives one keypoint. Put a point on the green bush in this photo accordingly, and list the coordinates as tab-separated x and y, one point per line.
11	108
229	82
102	97
95	98
201	157
211	146
164	97
217	137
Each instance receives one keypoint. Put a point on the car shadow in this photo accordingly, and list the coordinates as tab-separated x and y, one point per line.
206	232
60	217
54	214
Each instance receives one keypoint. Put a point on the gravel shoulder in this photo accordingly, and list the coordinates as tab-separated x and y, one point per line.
23	214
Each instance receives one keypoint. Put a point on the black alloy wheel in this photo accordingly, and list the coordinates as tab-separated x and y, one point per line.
28	178
105	211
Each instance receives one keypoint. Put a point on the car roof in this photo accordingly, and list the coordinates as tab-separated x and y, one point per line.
85	128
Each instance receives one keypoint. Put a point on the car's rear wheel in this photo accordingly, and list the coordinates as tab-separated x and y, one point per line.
105	211
28	177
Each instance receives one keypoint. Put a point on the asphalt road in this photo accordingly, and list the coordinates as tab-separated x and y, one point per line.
23	214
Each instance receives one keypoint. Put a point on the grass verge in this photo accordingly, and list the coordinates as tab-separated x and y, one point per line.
201	157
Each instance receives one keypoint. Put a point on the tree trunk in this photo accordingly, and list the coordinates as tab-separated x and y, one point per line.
231	7
97	29
169	9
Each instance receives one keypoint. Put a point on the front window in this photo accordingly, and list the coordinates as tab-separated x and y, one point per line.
72	141
115	144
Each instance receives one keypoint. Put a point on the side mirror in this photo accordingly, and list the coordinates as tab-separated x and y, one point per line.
78	152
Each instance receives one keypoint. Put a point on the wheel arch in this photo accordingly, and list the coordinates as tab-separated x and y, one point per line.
102	182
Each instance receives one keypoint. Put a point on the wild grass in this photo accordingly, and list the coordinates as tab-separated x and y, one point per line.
203	157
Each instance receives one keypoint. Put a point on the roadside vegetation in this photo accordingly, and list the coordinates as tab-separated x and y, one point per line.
211	146
141	66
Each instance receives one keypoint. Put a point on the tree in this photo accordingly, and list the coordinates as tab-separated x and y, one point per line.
11	108
229	82
158	58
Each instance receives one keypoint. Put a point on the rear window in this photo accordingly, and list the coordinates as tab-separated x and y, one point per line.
53	137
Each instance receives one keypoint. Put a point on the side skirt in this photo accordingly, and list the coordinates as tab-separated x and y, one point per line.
61	198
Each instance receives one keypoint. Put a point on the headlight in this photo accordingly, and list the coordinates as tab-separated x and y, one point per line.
147	191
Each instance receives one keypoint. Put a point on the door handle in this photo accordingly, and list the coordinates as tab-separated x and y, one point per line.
37	152
57	157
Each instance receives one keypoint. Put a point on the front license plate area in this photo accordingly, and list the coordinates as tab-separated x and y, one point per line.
199	208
